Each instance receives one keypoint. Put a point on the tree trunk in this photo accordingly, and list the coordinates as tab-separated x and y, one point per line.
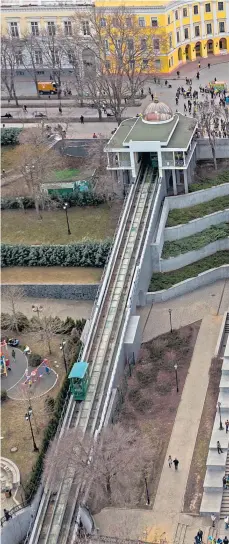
37	208
15	96
213	154
108	486
100	114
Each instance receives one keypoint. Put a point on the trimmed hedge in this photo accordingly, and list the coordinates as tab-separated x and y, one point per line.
206	183
80	254
184	215
165	280
9	136
196	241
87	198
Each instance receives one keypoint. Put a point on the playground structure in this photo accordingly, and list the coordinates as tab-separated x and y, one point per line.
4	359
37	374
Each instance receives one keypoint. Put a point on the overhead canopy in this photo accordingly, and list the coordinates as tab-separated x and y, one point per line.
78	370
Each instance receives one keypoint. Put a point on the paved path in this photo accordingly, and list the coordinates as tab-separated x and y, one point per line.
164	517
60	307
210	300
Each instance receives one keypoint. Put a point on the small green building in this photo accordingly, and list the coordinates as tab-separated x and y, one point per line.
79	380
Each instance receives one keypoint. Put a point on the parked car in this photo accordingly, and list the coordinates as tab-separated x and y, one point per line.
6	116
40	114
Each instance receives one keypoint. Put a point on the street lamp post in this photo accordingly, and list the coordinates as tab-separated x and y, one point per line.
37	309
64	358
65	208
147	491
170	320
175	367
28	418
220	418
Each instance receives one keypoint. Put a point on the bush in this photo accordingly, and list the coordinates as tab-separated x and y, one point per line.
165	280
190	243
88	198
9	136
3	395
49	404
206	183
183	215
35	359
80	254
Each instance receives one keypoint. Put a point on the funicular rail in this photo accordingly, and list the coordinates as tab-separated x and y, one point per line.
100	354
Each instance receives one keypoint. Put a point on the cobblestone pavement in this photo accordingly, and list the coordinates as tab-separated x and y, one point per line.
212	299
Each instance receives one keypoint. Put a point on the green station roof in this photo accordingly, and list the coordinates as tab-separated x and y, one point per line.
78	370
177	132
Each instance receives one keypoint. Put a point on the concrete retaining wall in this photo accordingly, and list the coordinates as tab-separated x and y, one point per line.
186	286
53	290
203	149
198	197
173	263
195	226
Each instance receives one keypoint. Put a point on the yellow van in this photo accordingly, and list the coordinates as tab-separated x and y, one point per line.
47	87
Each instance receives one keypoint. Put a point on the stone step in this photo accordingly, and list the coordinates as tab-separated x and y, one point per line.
224	382
211	503
223	439
225	367
216	461
213	480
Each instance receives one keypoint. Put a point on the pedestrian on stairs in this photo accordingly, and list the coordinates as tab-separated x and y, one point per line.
227	426
224	482
213	518
219	449
226	521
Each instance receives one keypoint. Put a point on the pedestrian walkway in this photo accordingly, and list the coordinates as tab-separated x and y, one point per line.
165	516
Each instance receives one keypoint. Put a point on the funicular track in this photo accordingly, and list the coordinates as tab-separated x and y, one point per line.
101	353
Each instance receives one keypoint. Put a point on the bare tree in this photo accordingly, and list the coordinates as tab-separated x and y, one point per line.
11	56
111	468
35	163
32	53
13	296
124	56
207	114
52	41
47	328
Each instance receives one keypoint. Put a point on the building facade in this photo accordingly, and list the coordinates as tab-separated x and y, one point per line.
193	29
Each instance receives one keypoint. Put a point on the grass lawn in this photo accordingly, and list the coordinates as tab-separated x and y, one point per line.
164	280
6	157
15	430
52	274
181	216
205	183
65	175
91	223
190	243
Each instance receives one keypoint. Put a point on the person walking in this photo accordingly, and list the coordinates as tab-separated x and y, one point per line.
152	96
224	482
213	518
178	74
7	514
94	135
185	107
199	65
209	66
219	449
225	540
170	461
60	110
198	75
176	463
25	109
200	535
13	355
82	120
226	521
227	426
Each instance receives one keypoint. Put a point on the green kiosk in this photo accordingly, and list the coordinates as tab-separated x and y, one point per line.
79	380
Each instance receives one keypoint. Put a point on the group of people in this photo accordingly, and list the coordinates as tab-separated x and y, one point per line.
174	461
199	537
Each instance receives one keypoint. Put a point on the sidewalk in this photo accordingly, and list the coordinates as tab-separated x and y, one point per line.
164	517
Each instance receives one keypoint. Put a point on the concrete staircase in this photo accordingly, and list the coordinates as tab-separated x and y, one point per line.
224	511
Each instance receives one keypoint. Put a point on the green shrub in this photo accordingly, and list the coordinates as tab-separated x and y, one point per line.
35	359
182	216
80	254
190	243
205	183
3	395
87	198
9	136
49	404
164	280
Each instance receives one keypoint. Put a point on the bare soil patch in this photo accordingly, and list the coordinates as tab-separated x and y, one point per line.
53	274
194	489
150	398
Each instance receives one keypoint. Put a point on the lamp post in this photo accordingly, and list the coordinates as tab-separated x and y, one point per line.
37	309
65	208
220	418
170	320
175	367
62	349
147	491
28	418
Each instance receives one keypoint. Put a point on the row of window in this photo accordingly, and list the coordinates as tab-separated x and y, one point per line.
196	10
197	31
130	44
51	27
38	57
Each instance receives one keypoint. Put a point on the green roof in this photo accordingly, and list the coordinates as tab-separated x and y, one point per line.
182	134
121	133
78	370
151	132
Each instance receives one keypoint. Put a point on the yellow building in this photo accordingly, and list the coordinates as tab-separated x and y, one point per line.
194	29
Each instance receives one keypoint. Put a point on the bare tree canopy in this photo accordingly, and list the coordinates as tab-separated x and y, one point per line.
209	115
10	58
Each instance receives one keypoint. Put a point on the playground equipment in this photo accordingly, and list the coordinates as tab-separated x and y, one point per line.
79	380
42	370
4	359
